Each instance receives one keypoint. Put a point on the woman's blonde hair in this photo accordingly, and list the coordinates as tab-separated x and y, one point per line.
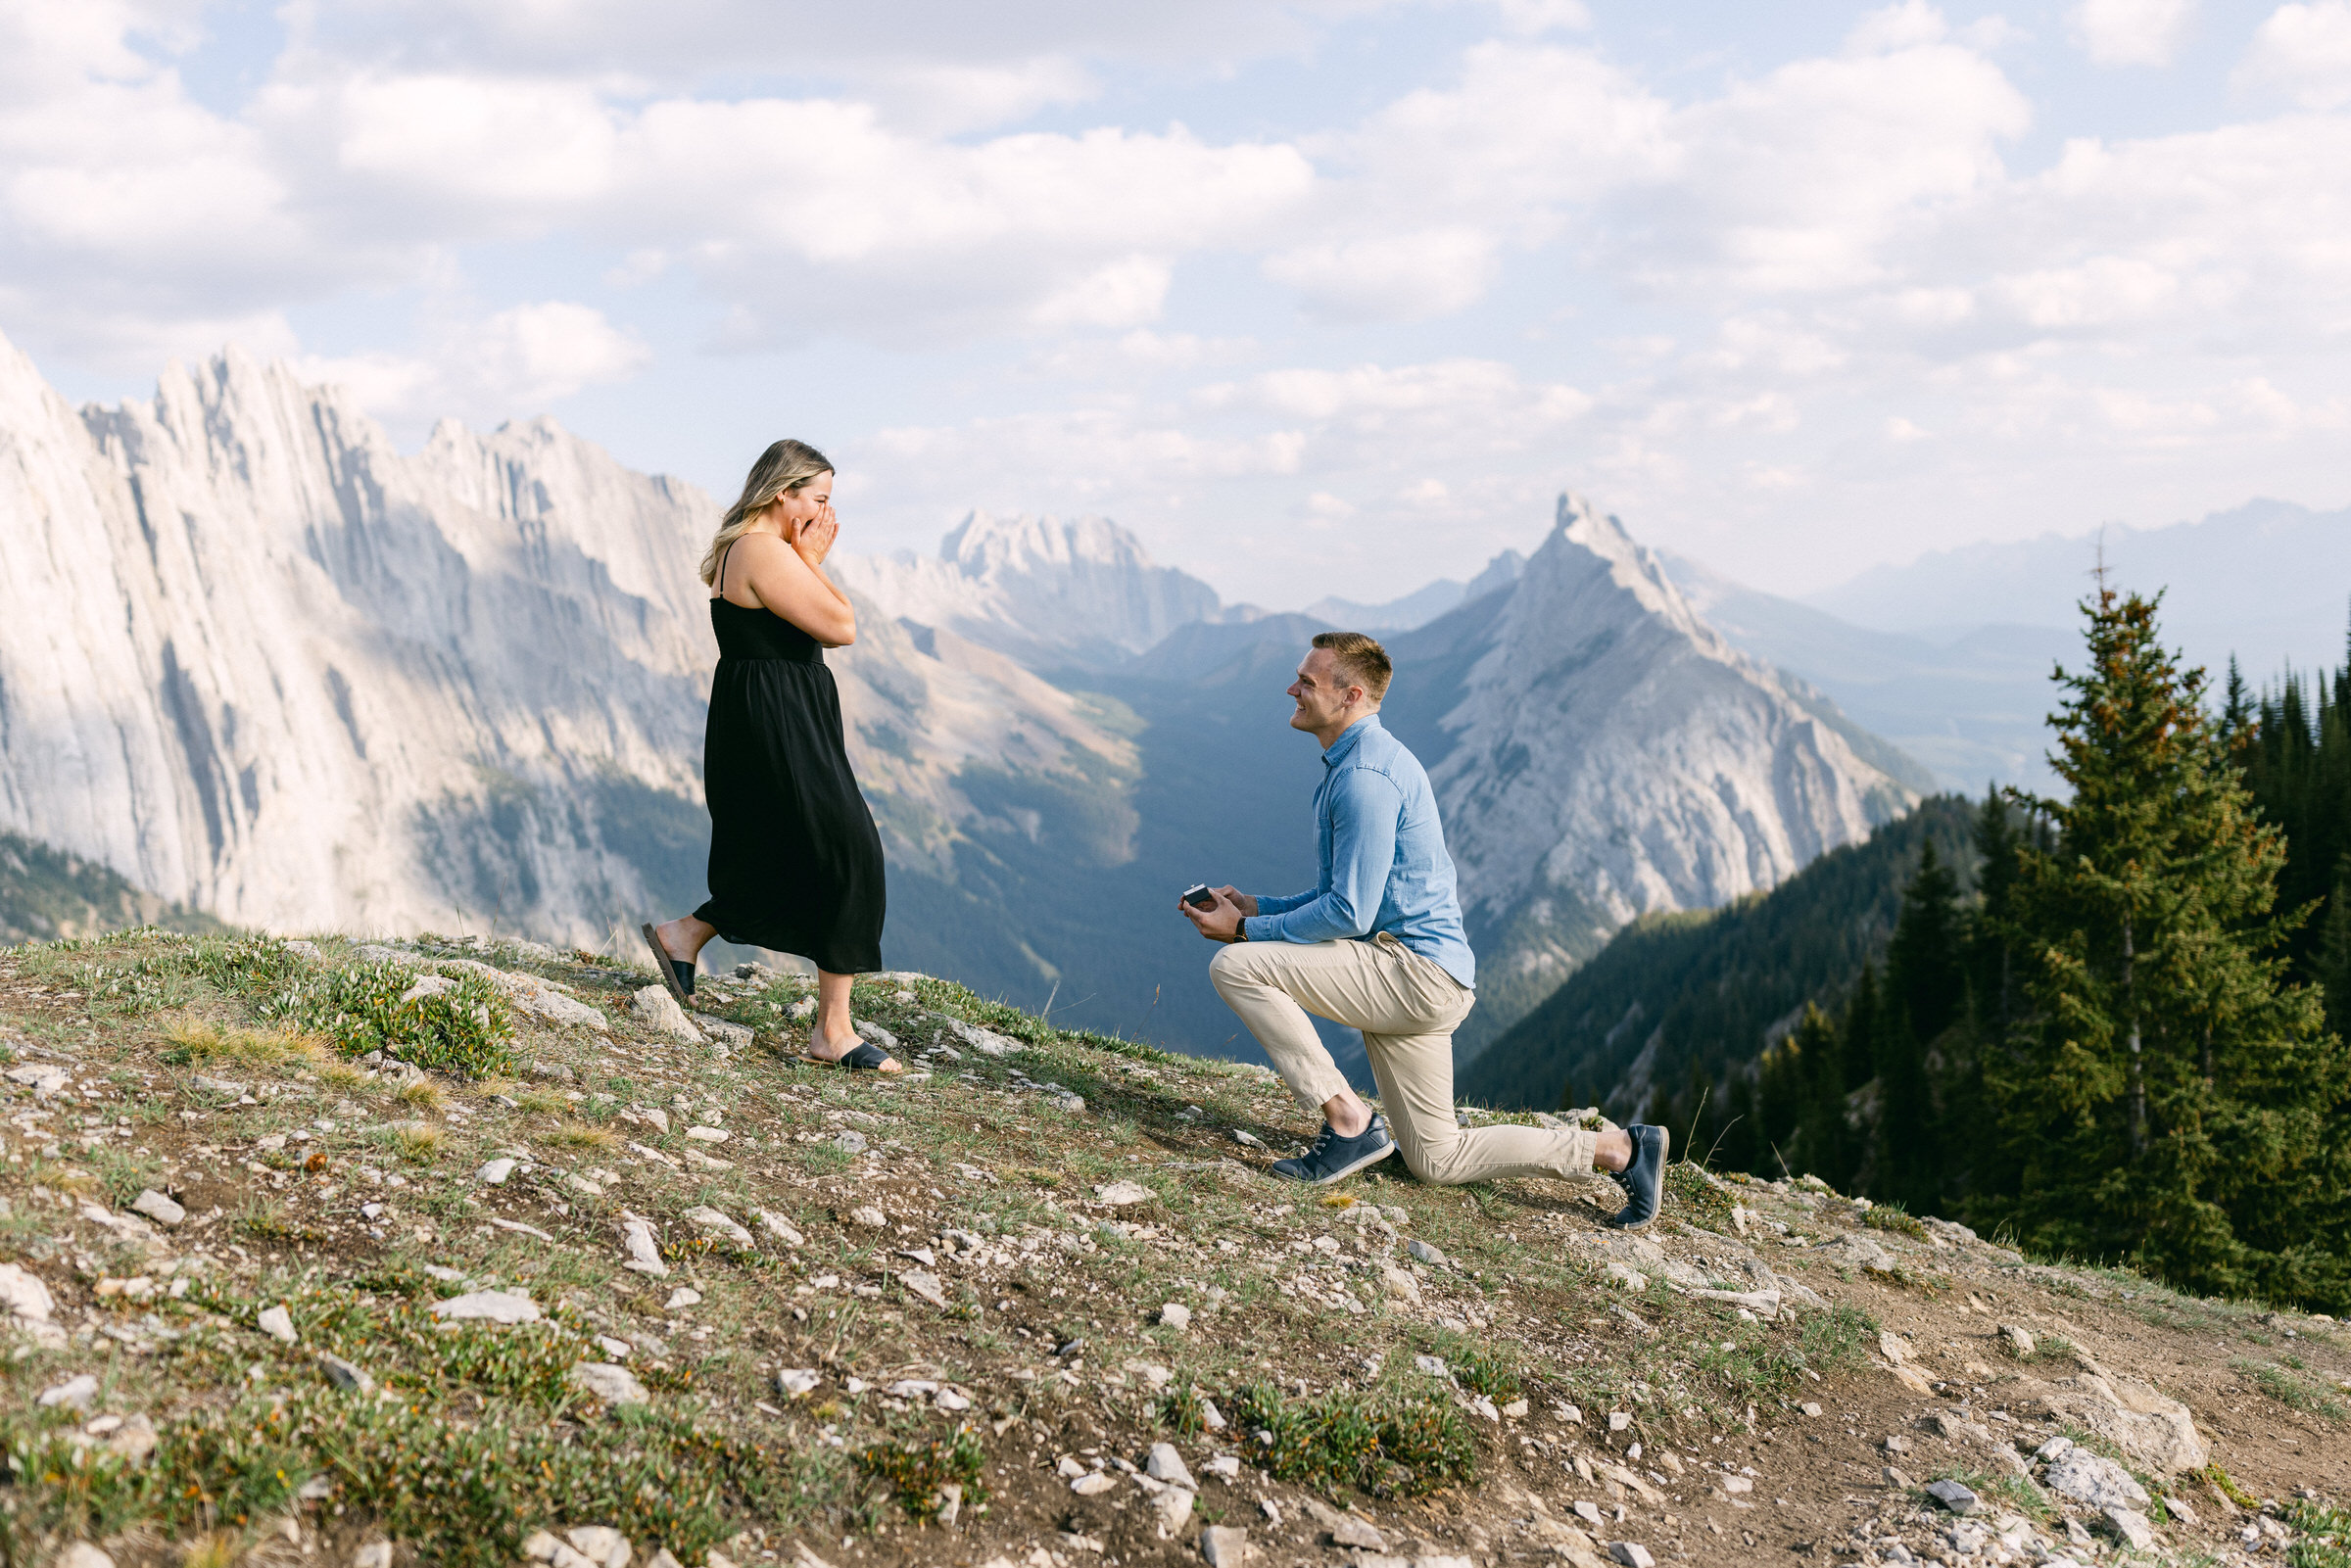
782	468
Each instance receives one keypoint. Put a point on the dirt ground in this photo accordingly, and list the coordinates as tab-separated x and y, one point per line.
1007	1225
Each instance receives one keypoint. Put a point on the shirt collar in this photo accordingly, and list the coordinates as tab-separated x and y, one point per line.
1349	739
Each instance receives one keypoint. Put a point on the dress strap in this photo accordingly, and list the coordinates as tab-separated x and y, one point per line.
722	567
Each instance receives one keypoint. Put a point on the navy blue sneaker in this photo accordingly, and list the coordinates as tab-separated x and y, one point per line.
1333	1157
1644	1180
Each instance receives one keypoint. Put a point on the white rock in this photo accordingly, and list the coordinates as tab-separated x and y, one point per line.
682	1296
1225	1546
707	1134
922	1282
644	1251
912	1388
1093	1484
428	985
23	1296
158	1207
1174	1507
869	1217
654	1007
793	1381
1120	1194
1166	1465
529	994
611	1383
2133	1525
81	1554
709	1218
75	1393
344	1376
1424	1253
278	1323
488	1306
540	1546
601	1545
495	1172
724	1032
1174	1314
775	1225
2090	1478
1632	1555
984	1041
378	1554
618	1350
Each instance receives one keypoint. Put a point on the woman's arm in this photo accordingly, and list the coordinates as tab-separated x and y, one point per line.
788	582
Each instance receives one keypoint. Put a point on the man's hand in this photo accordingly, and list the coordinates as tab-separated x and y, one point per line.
1221	921
1245	902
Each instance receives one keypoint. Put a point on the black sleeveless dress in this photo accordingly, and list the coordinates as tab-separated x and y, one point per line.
796	861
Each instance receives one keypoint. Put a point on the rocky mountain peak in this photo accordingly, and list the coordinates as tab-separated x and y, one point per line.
995	549
1604	753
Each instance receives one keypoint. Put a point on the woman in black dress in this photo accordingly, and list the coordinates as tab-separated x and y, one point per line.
795	863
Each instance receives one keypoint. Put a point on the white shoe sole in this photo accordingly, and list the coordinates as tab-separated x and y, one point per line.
1343	1172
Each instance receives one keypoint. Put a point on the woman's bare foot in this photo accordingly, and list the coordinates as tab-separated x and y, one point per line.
682	938
833	1049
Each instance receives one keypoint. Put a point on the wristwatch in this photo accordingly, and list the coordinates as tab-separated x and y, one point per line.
1241	931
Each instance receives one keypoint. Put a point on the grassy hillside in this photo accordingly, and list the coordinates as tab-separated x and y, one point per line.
1700	993
46	893
303	1259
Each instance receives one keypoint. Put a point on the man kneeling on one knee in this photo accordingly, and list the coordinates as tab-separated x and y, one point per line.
1379	945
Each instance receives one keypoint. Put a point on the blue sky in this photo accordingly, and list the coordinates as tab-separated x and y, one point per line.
1321	299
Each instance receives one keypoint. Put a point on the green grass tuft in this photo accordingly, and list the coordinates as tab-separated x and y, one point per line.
2288	1390
918	1473
1397	1445
1895	1218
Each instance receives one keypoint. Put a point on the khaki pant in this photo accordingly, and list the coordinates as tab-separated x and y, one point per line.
1407	1007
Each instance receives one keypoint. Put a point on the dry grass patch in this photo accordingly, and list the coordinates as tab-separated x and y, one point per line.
194	1041
580	1135
421	1094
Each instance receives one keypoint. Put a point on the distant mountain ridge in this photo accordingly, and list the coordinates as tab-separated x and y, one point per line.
263	664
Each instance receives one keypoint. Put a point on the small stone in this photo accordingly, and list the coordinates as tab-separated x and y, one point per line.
134	1439
1345	1529
1166	1465
1516	1409
912	1388
1225	1546
538	1546
869	1217
1423	1252
922	1282
1175	1508
777	1227
158	1207
1632	1555
873	1034
709	1218
278	1323
658	1011
610	1383
1809	1408
707	1134
2089	1478
645	1252
1895	1479
1621	1420
1896	1443
850	1141
1174	1314
488	1306
1121	1194
682	1296
1247	1140
74	1391
213	1085
343	1375
795	1381
2018	1341
2133	1525
378	1554
1953	1495
494	1172
1093	1484
952	1402
601	1545
1224	1467
23	1296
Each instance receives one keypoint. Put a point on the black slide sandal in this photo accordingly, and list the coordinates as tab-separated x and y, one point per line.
676	974
865	1056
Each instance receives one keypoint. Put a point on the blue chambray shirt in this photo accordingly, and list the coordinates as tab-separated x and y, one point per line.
1383	859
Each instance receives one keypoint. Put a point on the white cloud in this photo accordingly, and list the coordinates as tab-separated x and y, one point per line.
510	364
1390	277
2303	51
2130	33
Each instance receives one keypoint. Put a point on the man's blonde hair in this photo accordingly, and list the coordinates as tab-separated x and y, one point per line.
1360	661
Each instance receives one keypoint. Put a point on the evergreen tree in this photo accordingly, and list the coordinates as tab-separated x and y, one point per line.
1926	987
2168	1095
1824	1142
